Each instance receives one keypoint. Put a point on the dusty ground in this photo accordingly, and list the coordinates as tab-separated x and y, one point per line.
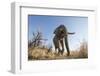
37	53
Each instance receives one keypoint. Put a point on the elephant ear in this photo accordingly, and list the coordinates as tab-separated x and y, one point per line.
55	31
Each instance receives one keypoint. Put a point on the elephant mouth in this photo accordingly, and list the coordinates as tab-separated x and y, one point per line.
62	32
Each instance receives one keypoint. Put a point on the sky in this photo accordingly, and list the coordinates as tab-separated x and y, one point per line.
47	25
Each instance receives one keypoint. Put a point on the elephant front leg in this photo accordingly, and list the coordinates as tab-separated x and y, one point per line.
67	46
62	45
56	44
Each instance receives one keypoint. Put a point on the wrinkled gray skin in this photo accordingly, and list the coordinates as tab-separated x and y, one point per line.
61	38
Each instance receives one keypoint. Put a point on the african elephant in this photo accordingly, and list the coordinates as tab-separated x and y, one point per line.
61	38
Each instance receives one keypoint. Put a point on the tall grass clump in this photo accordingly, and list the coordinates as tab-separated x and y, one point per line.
83	50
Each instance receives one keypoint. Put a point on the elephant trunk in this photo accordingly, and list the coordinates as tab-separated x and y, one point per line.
71	33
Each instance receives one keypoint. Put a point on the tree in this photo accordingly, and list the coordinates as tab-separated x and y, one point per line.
36	40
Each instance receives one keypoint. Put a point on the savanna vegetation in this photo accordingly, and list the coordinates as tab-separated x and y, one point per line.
39	51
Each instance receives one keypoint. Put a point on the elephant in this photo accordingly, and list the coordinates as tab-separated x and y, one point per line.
61	38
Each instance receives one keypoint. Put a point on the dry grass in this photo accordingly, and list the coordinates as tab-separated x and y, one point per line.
37	53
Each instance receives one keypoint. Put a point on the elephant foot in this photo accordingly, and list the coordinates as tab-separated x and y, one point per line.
59	53
62	52
68	54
